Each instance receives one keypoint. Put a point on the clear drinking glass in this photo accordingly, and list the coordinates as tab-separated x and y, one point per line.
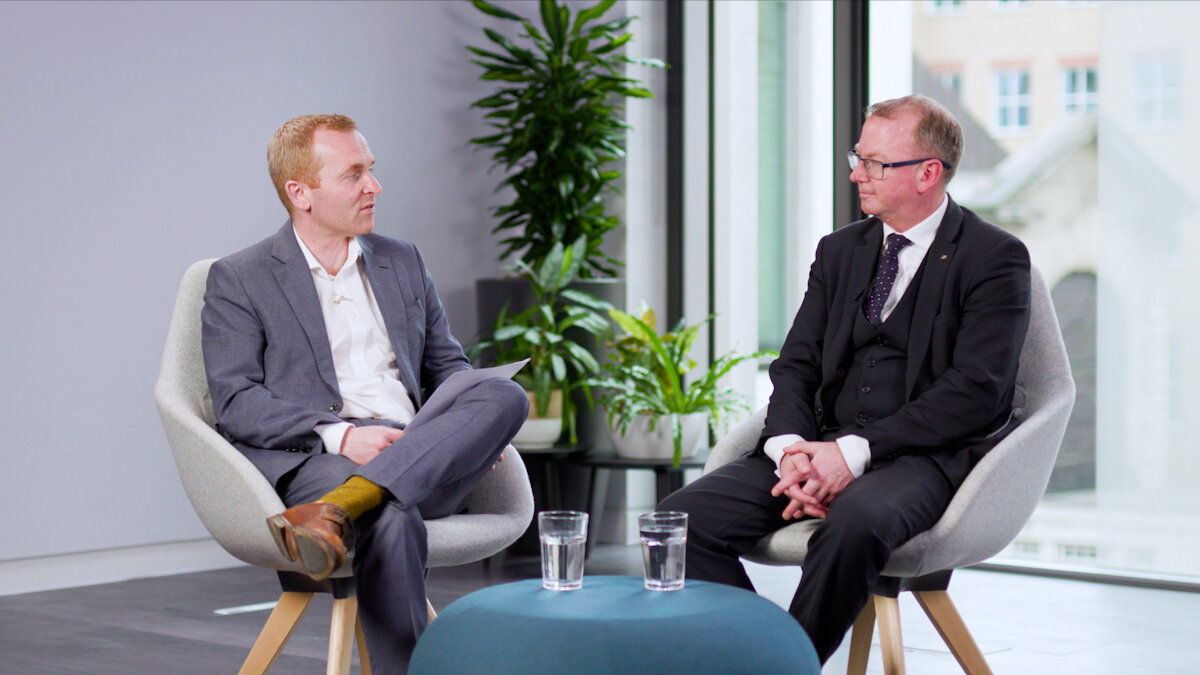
664	538
563	535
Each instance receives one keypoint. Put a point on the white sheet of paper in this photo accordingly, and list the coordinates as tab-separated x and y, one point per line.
456	384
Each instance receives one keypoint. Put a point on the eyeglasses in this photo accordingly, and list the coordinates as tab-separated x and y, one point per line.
874	167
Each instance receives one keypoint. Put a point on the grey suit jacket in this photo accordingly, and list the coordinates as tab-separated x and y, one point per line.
267	355
968	326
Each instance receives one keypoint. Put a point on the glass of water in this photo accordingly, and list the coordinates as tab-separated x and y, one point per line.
563	534
664	537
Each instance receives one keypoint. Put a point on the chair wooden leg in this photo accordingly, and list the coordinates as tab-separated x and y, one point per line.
860	640
432	612
887	611
341	632
275	632
364	660
945	617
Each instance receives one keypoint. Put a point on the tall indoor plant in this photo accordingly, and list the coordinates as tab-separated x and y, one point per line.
557	127
644	380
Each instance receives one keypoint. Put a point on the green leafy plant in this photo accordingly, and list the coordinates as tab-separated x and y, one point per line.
646	376
557	125
547	333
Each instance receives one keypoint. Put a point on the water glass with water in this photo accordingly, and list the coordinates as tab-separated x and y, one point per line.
563	535
664	538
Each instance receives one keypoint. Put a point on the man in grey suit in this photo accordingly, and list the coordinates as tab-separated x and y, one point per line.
320	343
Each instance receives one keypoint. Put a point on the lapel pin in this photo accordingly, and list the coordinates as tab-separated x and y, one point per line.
944	256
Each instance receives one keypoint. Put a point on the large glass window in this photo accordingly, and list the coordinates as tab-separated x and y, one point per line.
1092	187
772	174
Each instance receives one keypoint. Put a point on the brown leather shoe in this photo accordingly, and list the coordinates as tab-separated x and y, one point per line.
317	535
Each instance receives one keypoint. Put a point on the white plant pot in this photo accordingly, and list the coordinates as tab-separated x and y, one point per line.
639	442
540	433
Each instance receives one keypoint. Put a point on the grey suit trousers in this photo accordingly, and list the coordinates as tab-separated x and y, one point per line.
428	471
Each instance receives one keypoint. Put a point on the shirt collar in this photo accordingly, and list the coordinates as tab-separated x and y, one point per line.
352	253
922	234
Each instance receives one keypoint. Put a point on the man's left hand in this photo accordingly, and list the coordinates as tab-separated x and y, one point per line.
830	475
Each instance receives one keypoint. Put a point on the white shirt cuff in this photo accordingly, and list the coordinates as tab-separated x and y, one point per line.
856	451
775	445
332	434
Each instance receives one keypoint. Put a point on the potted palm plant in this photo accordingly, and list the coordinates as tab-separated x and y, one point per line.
547	333
557	127
557	134
652	412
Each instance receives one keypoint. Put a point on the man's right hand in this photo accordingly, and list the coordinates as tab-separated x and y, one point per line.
361	444
794	470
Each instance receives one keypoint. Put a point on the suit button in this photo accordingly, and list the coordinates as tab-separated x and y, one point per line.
865	390
860	418
880	341
335	407
819	411
870	363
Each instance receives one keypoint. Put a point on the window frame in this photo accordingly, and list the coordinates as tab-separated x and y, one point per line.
1019	101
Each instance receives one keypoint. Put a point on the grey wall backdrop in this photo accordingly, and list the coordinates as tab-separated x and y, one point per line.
132	142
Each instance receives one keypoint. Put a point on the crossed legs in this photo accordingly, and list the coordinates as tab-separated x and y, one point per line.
427	473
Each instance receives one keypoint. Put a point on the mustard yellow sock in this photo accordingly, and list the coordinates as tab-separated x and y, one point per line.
357	496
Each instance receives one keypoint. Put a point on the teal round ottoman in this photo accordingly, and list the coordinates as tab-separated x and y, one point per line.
613	625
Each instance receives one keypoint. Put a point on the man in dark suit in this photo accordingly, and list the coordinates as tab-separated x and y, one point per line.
896	377
320	344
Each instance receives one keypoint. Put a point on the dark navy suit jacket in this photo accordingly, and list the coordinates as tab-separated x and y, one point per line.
968	327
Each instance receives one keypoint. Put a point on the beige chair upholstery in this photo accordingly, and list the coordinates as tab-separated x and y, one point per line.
985	515
233	499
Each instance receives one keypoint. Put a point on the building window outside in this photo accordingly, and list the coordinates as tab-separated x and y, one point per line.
951	81
1009	5
1012	101
1157	92
944	7
1080	89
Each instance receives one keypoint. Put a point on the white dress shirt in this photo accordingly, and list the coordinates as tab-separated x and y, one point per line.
363	359
856	450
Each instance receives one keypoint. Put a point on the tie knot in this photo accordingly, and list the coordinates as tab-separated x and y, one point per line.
896	242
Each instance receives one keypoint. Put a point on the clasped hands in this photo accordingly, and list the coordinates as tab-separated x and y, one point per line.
811	474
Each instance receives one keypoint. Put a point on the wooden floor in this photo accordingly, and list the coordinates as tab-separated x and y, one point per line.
170	624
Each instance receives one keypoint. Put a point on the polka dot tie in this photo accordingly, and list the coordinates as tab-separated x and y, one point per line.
885	276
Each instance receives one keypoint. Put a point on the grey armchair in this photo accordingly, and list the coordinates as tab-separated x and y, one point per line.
984	516
233	499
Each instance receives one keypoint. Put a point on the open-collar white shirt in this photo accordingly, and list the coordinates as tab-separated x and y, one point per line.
363	359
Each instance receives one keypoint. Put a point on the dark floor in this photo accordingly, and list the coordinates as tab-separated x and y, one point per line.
170	625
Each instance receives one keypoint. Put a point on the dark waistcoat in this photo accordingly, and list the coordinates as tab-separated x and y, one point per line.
874	384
